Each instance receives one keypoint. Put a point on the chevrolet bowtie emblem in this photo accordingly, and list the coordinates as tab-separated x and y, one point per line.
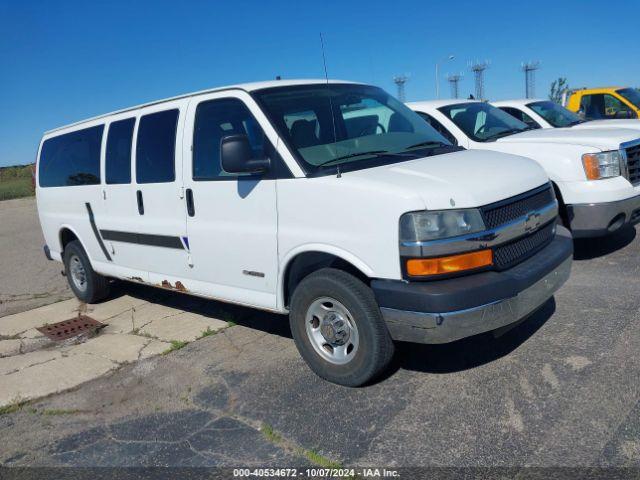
532	222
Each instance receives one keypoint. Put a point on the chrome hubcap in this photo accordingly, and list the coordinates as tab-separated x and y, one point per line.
78	273
331	330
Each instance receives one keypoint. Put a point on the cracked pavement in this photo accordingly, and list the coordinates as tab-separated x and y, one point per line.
562	389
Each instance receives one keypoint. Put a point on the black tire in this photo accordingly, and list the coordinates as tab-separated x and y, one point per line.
97	286
375	347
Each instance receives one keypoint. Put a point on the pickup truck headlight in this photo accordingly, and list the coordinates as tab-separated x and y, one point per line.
435	225
603	165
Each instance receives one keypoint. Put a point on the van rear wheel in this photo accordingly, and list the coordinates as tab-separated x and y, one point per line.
338	328
85	283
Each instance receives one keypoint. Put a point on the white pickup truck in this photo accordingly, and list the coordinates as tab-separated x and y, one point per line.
328	201
595	172
542	113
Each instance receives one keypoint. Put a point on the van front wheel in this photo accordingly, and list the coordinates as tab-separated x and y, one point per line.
86	284
338	328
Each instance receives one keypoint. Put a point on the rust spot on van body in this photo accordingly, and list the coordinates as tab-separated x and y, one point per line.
166	284
180	287
136	279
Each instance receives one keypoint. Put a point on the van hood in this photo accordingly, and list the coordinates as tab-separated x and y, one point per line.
609	124
463	179
603	139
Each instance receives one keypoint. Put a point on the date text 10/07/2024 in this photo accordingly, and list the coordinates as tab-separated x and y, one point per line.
316	473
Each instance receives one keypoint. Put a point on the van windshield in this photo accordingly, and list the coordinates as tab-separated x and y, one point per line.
482	122
556	115
630	94
347	125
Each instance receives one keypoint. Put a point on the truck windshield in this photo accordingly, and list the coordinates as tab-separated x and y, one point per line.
630	94
347	125
556	115
483	122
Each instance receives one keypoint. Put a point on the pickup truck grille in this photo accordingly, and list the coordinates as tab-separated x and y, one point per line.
505	211
633	164
510	254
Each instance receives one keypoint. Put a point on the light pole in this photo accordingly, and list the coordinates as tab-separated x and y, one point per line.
450	57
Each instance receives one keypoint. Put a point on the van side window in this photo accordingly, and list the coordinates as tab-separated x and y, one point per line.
118	155
155	150
439	127
216	119
520	115
71	159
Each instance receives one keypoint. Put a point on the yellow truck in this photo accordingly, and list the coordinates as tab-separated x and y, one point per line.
603	103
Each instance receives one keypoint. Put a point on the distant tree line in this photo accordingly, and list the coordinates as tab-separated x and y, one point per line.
16	171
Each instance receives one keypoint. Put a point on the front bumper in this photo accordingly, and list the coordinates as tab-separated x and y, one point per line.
447	310
599	219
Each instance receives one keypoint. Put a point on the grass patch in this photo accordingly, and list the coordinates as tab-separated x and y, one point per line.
320	460
15	188
270	434
12	408
314	457
175	345
58	411
208	332
231	323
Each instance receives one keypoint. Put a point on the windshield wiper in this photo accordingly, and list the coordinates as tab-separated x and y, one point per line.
428	143
510	131
375	153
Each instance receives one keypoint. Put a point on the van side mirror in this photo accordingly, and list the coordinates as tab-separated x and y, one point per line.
236	156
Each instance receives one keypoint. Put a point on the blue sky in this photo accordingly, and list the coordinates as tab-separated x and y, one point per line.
64	61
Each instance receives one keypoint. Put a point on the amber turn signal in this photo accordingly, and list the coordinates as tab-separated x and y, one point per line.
420	267
591	166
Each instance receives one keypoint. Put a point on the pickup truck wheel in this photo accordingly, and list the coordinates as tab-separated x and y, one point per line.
85	283
338	328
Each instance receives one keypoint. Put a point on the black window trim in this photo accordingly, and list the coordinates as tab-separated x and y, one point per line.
132	152
455	142
502	107
175	144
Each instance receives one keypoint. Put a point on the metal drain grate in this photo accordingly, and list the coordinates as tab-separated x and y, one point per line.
71	328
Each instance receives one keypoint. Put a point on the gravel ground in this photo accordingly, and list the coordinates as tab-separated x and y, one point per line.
27	278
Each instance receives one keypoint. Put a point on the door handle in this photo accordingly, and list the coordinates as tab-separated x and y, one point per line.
140	202
190	207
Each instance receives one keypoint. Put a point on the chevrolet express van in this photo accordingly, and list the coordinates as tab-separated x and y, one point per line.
540	113
328	201
595	172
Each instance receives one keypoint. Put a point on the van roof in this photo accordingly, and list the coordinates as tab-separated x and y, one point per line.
247	87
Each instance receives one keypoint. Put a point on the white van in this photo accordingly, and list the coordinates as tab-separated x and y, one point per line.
541	113
329	201
595	172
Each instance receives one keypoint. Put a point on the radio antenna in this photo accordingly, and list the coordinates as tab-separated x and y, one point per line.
333	119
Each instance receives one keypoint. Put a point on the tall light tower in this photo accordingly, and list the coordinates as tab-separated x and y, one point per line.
478	69
454	81
450	57
400	80
529	70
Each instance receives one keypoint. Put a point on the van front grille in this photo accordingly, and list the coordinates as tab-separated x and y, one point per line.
510	254
633	164
505	211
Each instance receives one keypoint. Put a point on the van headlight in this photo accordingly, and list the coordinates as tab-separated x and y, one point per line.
603	165
435	225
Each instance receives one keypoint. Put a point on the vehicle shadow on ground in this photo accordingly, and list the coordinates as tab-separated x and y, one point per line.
248	317
446	358
589	248
469	352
